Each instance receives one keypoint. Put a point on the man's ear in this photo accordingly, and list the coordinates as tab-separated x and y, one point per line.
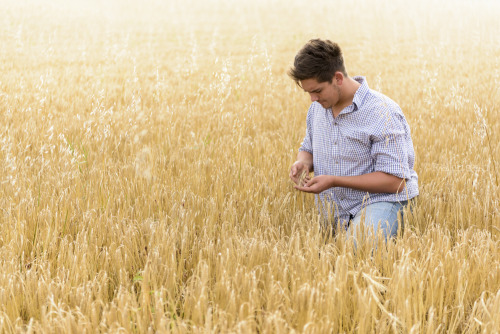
338	78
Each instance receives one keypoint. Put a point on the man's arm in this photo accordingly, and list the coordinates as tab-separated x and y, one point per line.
307	159
376	182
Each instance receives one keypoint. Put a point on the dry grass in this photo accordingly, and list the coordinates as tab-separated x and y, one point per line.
144	159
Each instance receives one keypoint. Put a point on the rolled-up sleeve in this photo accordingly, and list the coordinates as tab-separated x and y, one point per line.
307	142
389	149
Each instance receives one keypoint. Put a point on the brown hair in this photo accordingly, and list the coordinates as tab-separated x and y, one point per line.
318	59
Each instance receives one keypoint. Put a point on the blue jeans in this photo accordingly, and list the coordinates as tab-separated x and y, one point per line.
378	216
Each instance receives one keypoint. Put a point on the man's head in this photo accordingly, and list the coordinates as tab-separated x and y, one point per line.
318	59
319	70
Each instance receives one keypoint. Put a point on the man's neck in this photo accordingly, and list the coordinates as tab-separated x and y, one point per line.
346	93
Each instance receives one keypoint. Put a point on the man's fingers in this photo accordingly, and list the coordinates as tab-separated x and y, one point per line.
310	182
305	189
301	188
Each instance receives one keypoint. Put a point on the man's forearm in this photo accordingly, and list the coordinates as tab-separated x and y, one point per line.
376	182
307	159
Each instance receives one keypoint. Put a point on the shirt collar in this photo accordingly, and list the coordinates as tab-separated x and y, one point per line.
360	94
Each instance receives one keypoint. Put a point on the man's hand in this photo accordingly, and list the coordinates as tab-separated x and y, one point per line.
317	184
299	173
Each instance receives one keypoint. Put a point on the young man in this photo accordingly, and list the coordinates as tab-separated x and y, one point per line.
357	143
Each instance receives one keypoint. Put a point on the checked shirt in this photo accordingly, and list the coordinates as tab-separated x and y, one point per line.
369	135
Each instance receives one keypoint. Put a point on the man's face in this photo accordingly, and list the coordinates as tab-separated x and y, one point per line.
325	93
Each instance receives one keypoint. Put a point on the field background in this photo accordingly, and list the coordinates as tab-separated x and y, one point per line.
144	157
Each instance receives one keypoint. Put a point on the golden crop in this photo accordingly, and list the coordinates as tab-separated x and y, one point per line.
144	156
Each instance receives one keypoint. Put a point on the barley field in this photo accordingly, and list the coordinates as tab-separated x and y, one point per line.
144	159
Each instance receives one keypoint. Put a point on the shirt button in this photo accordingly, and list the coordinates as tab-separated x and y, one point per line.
335	143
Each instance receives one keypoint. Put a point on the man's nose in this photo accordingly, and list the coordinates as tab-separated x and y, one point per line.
314	97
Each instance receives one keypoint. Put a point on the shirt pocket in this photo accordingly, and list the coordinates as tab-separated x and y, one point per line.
356	146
